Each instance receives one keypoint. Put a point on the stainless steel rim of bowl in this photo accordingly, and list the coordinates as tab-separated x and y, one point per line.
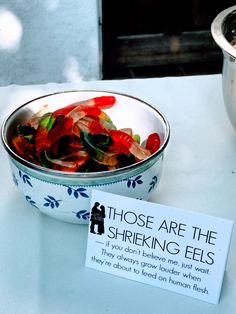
218	32
89	175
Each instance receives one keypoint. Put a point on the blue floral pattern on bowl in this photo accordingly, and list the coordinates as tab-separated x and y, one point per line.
70	202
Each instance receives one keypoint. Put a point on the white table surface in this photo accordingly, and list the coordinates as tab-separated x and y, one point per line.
42	260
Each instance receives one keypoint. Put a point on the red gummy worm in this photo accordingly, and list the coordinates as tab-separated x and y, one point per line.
104	101
153	142
63	111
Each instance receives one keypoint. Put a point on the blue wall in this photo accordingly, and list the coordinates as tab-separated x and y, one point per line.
48	41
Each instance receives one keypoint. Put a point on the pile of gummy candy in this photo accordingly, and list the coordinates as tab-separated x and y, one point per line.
81	138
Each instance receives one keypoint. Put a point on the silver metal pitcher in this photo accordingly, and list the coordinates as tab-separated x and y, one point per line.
223	30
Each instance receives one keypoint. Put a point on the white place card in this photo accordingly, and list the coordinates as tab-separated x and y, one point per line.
170	248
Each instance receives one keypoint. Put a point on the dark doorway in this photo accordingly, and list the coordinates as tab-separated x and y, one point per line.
147	38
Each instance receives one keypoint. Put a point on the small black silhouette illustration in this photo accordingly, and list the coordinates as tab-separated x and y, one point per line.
97	218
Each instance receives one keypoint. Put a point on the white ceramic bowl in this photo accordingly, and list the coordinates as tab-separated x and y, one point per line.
66	196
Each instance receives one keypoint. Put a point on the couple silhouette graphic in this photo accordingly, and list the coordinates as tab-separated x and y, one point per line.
97	218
